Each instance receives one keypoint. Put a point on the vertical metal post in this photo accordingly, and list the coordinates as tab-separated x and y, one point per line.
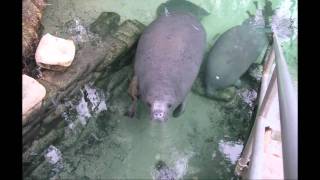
256	164
246	153
288	115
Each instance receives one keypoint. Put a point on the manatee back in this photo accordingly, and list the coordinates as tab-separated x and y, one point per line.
169	55
232	54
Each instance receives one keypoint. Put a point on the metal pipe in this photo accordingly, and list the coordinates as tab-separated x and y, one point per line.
288	115
246	153
256	164
266	76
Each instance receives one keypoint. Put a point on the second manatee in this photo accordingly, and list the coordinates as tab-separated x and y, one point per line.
232	54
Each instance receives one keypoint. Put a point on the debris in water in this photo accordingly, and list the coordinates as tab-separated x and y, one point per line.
53	155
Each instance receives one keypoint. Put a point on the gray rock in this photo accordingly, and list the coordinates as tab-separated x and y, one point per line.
105	23
32	94
226	94
255	72
129	31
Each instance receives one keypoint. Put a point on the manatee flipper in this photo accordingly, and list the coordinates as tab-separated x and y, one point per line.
133	92
180	109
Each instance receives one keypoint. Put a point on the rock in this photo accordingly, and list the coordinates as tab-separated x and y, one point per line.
249	96
255	72
55	53
106	22
31	21
90	63
33	156
114	49
225	95
33	93
76	30
129	31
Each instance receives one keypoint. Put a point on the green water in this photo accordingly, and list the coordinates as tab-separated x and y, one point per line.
202	143
224	14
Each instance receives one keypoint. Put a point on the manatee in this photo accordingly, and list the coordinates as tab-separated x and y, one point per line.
233	53
168	58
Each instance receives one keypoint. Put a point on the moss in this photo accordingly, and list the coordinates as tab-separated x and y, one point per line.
105	23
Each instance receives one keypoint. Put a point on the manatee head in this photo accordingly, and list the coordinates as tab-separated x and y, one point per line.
160	107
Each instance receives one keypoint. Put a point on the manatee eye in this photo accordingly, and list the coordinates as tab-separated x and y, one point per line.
169	105
148	104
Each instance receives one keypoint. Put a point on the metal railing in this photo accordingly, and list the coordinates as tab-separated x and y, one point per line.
254	149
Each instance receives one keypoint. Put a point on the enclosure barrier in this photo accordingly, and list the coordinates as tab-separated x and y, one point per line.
254	149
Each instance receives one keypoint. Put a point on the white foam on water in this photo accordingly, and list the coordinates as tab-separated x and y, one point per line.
53	155
83	110
181	166
284	23
231	150
181	163
96	98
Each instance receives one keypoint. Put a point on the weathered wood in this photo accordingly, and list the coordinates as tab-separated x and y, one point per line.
31	21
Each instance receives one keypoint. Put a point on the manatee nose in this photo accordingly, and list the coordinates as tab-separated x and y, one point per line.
158	115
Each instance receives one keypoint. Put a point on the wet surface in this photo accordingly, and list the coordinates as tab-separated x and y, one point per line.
101	142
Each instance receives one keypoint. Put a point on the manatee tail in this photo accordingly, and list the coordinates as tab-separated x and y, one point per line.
181	6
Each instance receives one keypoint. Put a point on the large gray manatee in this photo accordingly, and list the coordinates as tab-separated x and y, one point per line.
167	61
233	53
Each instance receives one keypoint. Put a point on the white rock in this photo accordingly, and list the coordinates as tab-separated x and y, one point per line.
55	53
32	95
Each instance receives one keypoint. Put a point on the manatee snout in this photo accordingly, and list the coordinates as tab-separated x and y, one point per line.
158	115
159	111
